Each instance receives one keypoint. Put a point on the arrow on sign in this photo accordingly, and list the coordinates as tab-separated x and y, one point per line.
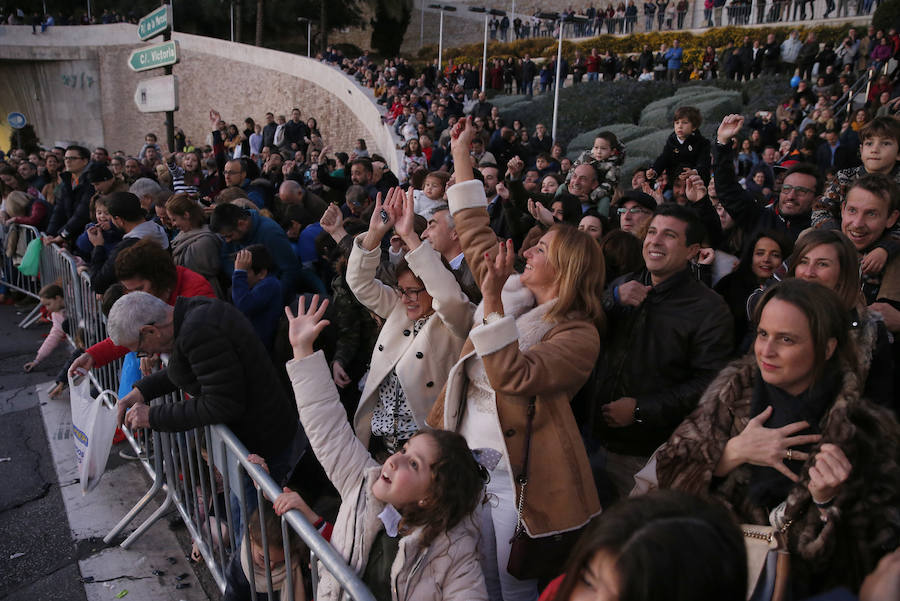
154	57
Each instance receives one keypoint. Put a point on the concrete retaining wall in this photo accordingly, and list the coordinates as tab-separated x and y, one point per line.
238	80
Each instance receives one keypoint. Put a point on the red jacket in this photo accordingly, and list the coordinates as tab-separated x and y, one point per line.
188	284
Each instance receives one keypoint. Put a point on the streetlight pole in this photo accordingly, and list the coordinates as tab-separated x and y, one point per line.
440	43
232	21
308	34
558	82
89	10
484	56
422	26
442	8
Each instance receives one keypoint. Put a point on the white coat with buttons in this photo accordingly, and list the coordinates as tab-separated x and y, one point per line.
423	361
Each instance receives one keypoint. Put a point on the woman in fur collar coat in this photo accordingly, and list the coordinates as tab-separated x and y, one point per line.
535	338
785	440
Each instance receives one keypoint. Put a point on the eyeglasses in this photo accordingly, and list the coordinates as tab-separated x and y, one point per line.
75	158
411	293
228	172
787	188
632	210
138	352
141	354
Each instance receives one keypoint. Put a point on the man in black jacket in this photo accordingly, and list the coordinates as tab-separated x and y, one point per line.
669	335
793	211
72	209
216	357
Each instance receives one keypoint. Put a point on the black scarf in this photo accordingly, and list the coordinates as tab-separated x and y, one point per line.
769	487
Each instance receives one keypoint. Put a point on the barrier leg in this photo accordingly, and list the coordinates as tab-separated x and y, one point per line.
31	318
139	506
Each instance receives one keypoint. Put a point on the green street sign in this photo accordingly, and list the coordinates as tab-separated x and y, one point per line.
153	57
155	23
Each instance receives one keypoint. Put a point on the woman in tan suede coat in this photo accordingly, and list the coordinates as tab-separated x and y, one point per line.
535	337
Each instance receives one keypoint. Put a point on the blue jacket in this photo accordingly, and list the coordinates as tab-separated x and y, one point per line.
673	57
261	304
267	232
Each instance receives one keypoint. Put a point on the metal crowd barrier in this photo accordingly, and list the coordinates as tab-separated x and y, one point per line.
202	472
15	239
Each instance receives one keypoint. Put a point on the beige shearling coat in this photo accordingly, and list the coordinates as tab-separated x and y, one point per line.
422	361
561	494
447	570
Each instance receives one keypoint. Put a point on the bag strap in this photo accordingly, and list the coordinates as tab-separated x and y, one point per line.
522	478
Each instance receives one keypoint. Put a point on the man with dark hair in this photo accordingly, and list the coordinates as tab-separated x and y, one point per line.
669	336
268	132
792	214
296	132
71	212
241	228
127	215
360	174
100	156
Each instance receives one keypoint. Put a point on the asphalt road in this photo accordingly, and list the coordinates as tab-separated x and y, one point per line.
38	557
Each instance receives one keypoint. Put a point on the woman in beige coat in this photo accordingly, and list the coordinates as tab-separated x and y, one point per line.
427	319
536	338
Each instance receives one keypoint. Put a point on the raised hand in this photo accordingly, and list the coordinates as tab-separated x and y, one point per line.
401	209
730	127
305	327
498	270
694	188
332	222
540	213
461	136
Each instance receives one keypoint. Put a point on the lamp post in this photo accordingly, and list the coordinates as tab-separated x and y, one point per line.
443	8
562	22
232	21
487	15
308	34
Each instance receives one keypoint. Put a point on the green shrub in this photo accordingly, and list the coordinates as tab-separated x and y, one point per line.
694	45
887	15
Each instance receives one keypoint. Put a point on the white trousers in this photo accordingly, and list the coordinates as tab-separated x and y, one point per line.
498	523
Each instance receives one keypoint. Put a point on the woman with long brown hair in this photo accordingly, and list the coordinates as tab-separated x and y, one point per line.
534	344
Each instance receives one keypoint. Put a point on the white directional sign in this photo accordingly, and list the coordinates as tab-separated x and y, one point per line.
157	95
155	23
153	57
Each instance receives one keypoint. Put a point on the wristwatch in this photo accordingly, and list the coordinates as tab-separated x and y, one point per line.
491	318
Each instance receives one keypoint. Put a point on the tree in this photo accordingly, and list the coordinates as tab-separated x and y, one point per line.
260	11
389	25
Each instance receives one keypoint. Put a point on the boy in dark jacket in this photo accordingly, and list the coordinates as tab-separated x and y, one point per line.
685	148
256	292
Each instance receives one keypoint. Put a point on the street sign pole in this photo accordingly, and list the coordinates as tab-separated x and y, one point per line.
170	115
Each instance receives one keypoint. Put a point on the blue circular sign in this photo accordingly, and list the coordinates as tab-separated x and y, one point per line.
16	120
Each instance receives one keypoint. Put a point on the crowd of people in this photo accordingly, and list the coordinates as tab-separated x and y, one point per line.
500	350
830	67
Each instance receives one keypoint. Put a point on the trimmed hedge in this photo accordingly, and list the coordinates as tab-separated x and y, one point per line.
694	45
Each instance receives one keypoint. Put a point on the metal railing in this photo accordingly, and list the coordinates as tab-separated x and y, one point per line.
15	240
204	473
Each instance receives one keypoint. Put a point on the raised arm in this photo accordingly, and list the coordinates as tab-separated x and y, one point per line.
468	204
364	260
449	302
342	455
739	203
